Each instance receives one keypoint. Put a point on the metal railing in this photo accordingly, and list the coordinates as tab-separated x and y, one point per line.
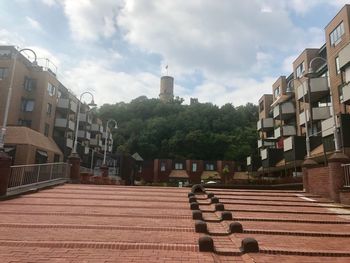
85	170
346	168
27	175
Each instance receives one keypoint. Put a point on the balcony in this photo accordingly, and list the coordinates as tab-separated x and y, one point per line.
96	142
67	104
266	143
294	148
63	142
63	123
253	163
84	117
318	89
84	135
318	113
97	128
265	124
284	111
270	156
346	94
286	130
344	57
327	127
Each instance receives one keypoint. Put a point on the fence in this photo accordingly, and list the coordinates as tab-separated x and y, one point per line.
346	168
27	175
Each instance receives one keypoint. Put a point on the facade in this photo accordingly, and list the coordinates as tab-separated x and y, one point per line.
307	115
186	171
43	114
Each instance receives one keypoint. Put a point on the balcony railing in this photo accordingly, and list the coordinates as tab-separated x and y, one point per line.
67	104
346	168
284	111
25	176
346	93
266	143
318	89
64	123
96	128
286	130
318	113
265	124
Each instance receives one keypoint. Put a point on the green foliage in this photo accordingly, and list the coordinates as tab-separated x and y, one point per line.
204	131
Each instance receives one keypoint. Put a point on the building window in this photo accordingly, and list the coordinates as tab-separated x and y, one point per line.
194	167
336	34
40	157
300	70
178	166
261	106
277	92
209	167
56	158
3	73
49	109
337	67
47	129
51	89
162	167
27	105
29	84
26	123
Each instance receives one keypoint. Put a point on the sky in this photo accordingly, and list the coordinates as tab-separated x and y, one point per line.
227	51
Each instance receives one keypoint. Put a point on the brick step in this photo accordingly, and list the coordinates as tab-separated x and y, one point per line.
116	199
292	200
103	245
300	252
346	222
99	227
153	216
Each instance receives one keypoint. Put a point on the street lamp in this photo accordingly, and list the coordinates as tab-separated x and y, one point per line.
307	139
309	74
106	140
91	104
9	94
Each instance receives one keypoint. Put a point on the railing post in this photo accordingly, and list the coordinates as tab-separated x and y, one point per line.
37	178
51	171
5	172
74	161
336	174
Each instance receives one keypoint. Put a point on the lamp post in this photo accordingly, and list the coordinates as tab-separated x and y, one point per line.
9	95
307	139
335	125
106	140
92	104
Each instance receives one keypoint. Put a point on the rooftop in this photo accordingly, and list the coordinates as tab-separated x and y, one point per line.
92	223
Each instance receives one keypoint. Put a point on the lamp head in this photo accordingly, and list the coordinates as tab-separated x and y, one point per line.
92	103
310	73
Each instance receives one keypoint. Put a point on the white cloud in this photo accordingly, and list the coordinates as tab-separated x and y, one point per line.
49	3
89	20
10	38
34	24
109	86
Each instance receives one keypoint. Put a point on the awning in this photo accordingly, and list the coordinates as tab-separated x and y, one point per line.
212	175
9	149
178	174
42	153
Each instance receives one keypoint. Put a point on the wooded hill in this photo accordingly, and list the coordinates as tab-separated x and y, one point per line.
201	131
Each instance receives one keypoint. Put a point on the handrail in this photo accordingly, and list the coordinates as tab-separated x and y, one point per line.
39	164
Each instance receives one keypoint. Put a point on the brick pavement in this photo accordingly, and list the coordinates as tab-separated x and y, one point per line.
86	223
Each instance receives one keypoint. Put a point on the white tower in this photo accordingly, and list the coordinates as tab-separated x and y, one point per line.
166	88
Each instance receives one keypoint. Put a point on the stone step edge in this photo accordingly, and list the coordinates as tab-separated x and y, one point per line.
283	233
103	245
97	227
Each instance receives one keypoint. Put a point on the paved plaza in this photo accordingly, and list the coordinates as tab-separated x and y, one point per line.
92	223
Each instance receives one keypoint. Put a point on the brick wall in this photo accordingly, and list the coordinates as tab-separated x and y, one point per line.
318	181
345	197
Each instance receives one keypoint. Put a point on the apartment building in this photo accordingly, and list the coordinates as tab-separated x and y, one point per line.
307	114
186	171
43	114
32	106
